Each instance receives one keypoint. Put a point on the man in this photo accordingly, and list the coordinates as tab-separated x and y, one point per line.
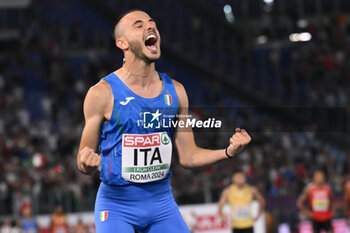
6	226
28	223
319	195
135	193
80	227
59	221
240	196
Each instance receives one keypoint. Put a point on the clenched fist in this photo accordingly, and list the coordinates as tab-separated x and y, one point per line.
88	160
238	141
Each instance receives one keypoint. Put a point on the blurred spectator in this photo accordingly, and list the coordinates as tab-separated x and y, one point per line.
59	221
17	227
28	223
6	227
80	227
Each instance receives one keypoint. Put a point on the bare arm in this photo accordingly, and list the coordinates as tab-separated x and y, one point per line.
333	207
95	104
257	195
346	202
301	202
190	155
222	202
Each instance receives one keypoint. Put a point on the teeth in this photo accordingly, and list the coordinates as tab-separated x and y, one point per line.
150	36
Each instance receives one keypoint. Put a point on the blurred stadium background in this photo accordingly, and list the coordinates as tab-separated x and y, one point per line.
229	54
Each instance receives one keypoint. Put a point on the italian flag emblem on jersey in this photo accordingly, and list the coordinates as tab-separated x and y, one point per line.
168	99
103	215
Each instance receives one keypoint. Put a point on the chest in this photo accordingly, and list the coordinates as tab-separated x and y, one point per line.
319	193
240	196
147	114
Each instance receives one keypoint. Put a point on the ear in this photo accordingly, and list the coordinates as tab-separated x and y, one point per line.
122	43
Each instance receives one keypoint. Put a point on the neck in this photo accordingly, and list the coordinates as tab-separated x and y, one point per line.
138	67
239	186
138	71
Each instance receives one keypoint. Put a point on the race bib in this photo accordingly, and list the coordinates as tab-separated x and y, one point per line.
320	205
146	157
241	212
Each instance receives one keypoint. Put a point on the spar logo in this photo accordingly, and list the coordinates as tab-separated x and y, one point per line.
139	140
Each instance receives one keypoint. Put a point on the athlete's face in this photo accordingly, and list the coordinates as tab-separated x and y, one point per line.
59	210
238	179
141	33
27	212
319	178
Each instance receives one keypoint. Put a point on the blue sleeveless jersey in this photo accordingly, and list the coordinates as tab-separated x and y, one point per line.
29	226
135	143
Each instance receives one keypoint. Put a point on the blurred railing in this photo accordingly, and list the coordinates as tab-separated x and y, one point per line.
72	199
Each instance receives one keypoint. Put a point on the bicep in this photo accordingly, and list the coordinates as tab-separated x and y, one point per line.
346	195
257	195
183	137
224	196
94	116
304	195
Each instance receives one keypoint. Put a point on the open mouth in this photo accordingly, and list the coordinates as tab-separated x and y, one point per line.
151	43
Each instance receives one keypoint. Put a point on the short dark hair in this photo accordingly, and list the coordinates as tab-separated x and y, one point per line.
319	170
116	22
239	170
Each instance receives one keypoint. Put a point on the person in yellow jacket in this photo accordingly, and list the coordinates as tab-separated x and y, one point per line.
240	196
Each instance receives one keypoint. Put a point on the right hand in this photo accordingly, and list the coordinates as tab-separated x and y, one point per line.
308	213
89	160
239	140
222	217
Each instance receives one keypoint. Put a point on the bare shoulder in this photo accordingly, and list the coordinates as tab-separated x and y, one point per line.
97	100
101	89
177	83
253	189
178	87
101	93
226	190
306	191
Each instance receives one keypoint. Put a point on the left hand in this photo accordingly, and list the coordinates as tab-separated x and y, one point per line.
238	142
222	218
